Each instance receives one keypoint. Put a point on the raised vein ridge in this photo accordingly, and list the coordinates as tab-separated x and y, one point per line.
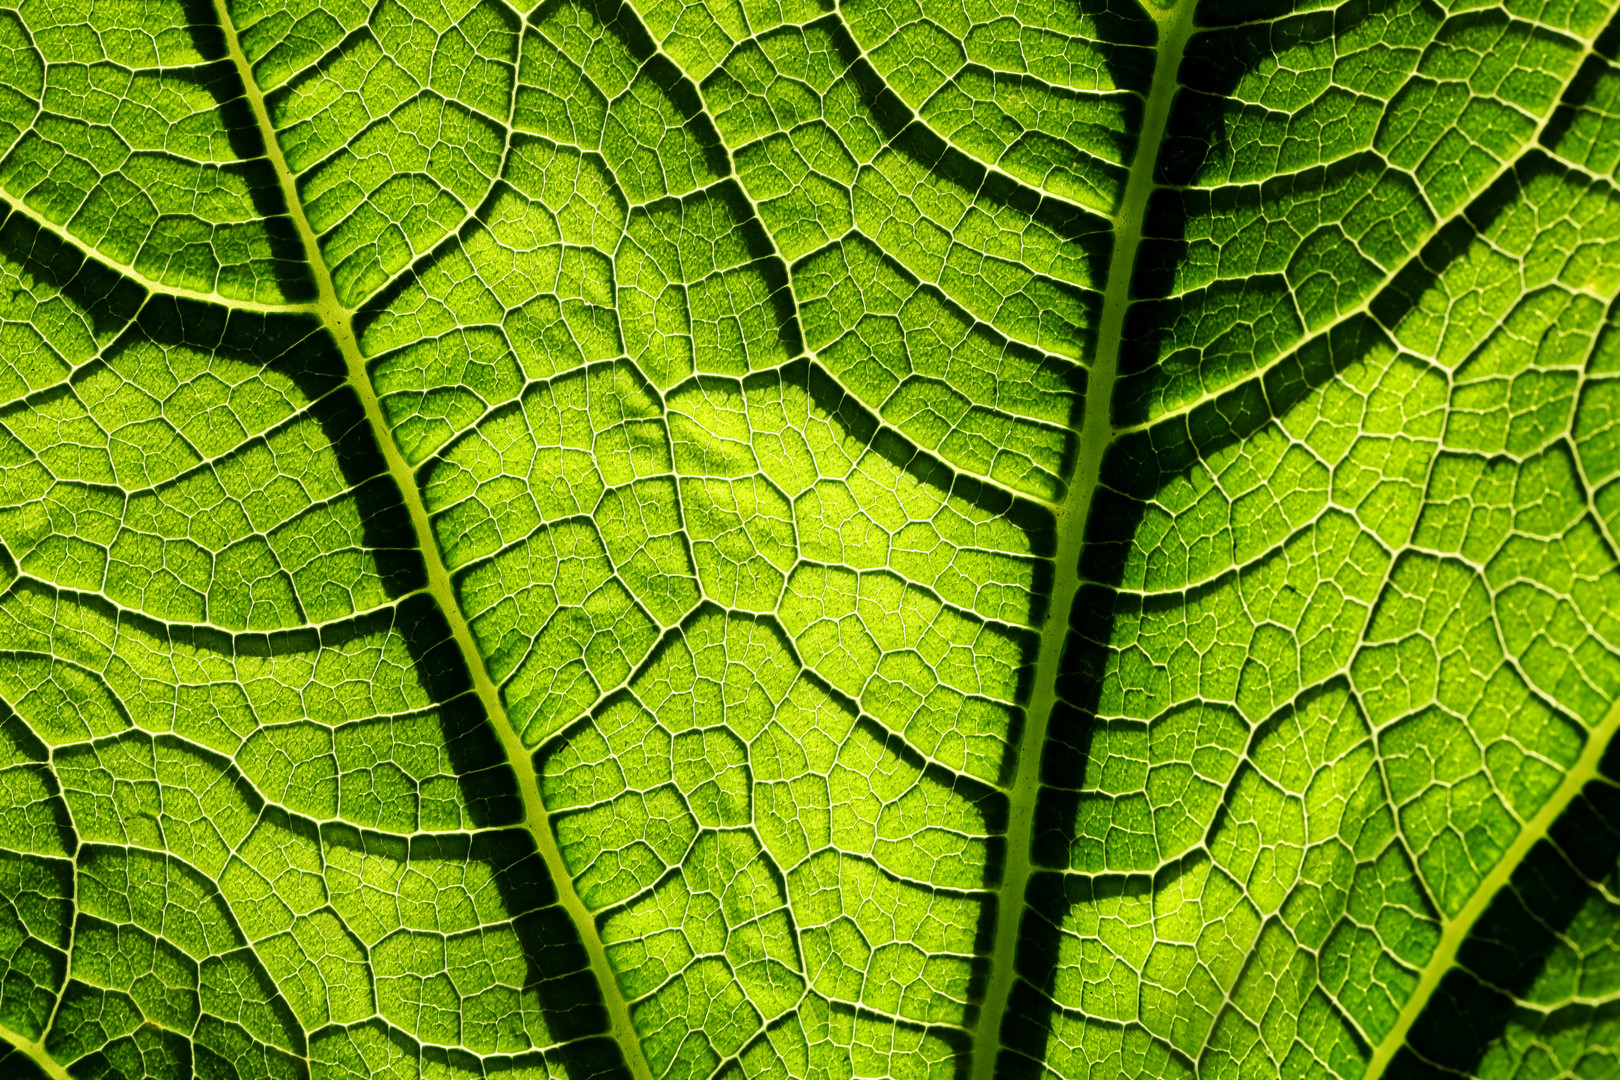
338	321
1096	434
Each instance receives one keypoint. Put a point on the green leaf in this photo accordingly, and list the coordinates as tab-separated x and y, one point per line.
766	540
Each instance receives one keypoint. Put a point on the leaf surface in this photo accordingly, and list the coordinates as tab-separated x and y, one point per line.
785	539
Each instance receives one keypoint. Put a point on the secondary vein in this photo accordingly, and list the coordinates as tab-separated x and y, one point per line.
1175	25
338	321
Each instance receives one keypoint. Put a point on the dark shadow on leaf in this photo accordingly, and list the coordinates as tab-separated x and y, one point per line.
297	347
19	1066
1509	994
1470	1008
1235	39
221	80
558	971
1133	471
109	300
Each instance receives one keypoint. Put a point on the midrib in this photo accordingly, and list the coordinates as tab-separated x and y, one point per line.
1096	433
338	321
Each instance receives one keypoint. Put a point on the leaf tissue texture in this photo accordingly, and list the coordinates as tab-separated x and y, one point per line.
768	539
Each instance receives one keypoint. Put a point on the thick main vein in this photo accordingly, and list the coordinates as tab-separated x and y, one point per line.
1096	433
339	322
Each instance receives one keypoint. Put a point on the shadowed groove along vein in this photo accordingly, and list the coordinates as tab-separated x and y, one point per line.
338	321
